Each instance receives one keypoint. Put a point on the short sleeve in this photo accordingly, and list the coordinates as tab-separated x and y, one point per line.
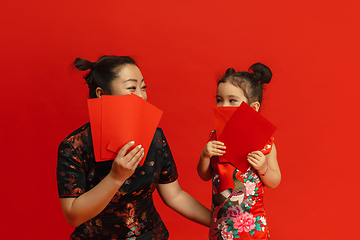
267	149
168	172
71	177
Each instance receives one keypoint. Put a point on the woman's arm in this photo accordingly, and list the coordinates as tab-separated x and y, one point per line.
91	203
183	203
212	148
267	167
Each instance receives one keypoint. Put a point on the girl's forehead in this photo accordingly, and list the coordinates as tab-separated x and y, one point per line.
227	88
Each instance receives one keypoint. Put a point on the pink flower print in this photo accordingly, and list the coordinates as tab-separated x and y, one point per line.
226	235
234	211
244	222
250	188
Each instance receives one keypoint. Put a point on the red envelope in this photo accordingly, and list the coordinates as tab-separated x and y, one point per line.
138	123
246	131
112	111
222	116
94	106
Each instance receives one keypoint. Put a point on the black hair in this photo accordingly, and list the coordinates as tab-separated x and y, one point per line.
251	82
102	72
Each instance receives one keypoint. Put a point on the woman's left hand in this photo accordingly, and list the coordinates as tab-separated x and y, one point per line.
258	160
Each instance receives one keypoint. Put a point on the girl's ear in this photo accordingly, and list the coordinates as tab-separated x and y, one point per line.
99	92
255	105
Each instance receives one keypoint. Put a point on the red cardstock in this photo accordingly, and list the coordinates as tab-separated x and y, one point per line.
138	124
116	120
94	107
245	132
112	111
222	116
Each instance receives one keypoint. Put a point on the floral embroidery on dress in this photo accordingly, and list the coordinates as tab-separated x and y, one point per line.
238	211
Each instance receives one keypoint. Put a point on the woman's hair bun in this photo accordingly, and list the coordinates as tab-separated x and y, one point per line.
261	72
83	64
229	72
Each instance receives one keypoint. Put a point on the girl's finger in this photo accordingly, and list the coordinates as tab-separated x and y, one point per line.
253	159
220	146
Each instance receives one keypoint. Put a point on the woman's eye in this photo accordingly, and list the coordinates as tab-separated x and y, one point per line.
132	88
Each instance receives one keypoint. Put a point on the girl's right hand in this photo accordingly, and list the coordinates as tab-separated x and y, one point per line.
213	148
124	164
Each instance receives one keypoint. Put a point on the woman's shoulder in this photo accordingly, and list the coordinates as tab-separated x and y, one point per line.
79	137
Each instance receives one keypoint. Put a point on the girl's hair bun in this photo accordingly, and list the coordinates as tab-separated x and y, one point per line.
229	72
83	64
261	73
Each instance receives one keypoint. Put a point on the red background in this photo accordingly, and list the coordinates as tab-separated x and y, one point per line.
181	48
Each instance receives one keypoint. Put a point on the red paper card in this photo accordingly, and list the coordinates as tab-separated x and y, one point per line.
112	111
139	125
94	106
222	116
246	131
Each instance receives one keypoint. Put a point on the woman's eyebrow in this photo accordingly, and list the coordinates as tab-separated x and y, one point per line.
132	80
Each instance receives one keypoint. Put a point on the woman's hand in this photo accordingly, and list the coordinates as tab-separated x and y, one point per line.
213	148
125	163
258	160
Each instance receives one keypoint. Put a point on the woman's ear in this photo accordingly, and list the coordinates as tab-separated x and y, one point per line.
99	92
255	105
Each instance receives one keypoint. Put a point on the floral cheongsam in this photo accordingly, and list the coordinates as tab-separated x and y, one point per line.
237	201
131	214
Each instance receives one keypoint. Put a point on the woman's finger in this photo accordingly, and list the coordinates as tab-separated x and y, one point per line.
137	157
126	148
133	152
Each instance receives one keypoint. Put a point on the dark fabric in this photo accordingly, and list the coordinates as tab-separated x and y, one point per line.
131	213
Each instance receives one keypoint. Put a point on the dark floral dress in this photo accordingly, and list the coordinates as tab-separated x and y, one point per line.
131	213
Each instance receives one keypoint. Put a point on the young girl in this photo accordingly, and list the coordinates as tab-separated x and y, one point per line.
237	202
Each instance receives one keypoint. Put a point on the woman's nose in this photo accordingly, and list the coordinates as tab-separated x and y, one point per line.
141	94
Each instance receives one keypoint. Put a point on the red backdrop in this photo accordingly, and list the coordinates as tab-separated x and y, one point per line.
181	48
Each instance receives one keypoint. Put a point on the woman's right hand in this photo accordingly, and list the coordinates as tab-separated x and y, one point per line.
125	163
213	148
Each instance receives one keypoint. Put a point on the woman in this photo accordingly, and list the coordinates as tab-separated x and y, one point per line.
113	199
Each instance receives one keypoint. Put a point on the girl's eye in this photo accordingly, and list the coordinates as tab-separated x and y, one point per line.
232	101
144	87
218	100
132	88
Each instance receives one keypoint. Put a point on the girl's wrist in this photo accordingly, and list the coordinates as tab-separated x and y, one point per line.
266	170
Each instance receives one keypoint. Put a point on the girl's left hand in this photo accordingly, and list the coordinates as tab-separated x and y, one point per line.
258	160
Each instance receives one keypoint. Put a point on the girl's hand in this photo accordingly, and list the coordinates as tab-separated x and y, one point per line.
258	160
213	148
124	164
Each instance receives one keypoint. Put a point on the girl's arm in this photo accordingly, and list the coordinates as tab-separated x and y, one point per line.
183	203
267	167
212	148
91	203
